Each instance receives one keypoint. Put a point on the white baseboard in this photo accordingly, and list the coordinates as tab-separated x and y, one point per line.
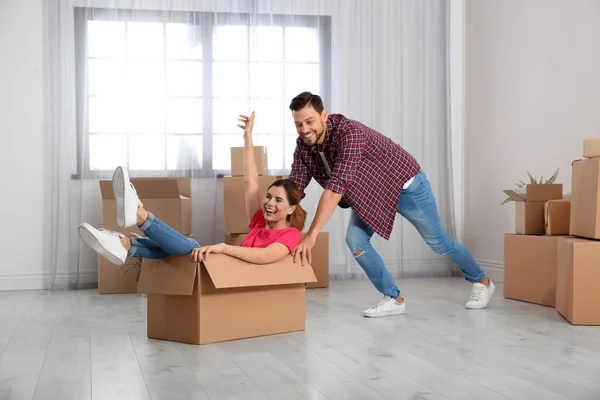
493	269
42	280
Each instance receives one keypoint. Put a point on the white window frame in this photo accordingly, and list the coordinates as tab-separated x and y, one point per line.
206	23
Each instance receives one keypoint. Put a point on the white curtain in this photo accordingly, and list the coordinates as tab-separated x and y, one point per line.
157	85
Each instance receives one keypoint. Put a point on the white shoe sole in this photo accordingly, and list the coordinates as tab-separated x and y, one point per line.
120	182
87	234
385	314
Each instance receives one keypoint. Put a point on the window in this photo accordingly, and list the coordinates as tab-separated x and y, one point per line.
160	92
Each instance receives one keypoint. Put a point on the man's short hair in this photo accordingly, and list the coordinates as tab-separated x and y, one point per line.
307	98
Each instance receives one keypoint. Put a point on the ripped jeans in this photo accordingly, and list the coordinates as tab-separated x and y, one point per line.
417	204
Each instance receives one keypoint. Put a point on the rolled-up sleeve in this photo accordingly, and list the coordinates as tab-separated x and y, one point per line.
351	142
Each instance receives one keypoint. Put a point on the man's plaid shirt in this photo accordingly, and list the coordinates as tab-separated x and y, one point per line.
367	168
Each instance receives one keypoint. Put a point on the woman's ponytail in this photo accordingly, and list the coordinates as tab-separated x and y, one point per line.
298	218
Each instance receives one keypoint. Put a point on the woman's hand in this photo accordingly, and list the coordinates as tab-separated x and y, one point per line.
200	253
247	124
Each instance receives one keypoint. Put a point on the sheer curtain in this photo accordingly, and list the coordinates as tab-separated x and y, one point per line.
157	85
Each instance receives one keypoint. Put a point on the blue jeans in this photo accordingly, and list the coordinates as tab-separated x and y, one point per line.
161	241
417	204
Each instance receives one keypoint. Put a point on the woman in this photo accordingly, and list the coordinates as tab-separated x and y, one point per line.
276	221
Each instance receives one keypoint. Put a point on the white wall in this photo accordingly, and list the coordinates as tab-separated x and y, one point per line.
532	93
21	142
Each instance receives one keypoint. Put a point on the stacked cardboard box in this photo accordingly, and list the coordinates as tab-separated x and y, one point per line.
236	220
530	253
578	273
556	264
169	199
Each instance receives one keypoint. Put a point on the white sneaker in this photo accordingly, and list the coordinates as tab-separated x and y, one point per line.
126	198
386	306
106	243
480	295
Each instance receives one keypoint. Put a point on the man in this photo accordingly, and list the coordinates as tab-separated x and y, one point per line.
365	171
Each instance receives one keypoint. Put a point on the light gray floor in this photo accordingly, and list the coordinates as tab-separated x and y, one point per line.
80	345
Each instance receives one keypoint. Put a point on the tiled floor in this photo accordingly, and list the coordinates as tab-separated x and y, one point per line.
79	345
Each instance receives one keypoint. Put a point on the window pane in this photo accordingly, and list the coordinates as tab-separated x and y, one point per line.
184	116
146	78
221	152
230	79
184	78
184	41
230	42
107	115
266	80
145	39
269	116
289	127
107	151
300	78
146	115
106	39
267	43
226	114
184	152
274	145
290	147
147	152
106	77
301	44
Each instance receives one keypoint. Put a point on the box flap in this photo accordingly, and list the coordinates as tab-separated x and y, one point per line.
172	275
152	188
513	195
229	272
543	192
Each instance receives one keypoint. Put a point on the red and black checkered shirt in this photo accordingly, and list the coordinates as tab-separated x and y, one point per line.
367	168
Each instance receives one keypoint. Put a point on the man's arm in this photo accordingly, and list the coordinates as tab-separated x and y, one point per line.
351	143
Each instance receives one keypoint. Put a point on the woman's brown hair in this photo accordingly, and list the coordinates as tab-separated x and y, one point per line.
298	217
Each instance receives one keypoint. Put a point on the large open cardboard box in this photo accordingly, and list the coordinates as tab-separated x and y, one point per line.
223	298
529	212
320	257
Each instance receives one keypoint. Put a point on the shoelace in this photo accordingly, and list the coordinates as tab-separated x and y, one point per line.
382	303
111	233
477	293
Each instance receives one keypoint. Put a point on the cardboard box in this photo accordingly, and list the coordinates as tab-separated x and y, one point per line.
529	208
320	257
237	160
530	264
169	199
557	217
591	147
585	199
578	281
118	279
222	298
235	219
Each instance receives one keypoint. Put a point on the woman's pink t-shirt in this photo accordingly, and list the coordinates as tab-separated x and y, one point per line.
261	237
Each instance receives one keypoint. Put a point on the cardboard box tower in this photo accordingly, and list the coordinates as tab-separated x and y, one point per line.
553	259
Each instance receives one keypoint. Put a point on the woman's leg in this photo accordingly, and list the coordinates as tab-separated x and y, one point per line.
160	234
